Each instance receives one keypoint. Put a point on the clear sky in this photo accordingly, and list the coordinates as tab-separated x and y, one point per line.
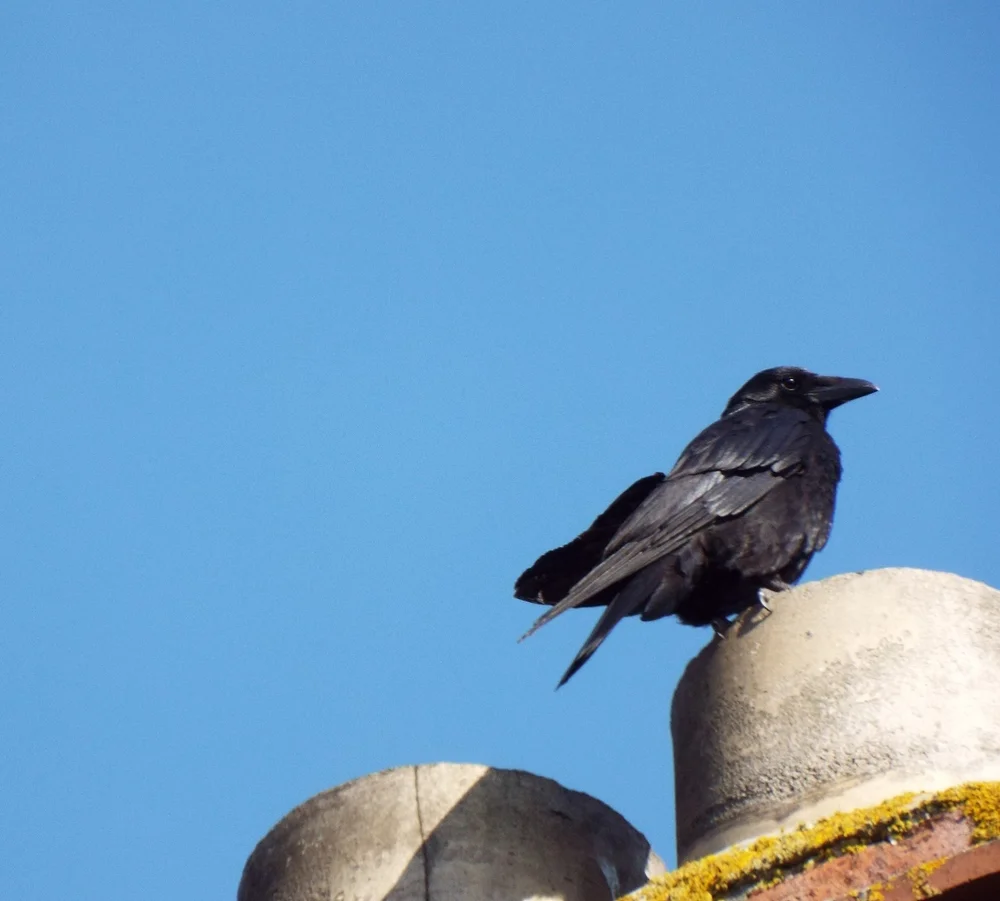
321	321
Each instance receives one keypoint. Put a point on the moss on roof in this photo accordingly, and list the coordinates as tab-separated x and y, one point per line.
768	860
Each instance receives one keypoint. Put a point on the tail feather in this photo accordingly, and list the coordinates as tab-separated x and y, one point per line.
628	601
609	619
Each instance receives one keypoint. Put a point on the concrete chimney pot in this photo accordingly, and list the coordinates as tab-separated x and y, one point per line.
855	689
448	831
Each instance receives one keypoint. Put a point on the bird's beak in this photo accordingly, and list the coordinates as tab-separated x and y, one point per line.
832	391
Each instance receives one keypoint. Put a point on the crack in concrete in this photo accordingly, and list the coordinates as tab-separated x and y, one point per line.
423	837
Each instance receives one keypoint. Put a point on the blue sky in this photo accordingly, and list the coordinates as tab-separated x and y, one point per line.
320	322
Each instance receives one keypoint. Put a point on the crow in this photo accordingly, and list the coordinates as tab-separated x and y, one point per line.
744	509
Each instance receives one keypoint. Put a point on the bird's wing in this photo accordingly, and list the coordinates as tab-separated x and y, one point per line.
727	469
553	574
763	437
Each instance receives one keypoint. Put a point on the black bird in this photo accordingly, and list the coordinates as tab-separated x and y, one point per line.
745	507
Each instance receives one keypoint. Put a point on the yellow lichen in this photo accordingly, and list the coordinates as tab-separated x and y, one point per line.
918	877
769	859
980	802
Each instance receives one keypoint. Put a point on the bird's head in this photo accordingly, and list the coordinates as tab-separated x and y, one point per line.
794	387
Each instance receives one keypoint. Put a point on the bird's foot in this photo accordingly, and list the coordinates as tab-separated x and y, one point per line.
764	606
772	585
721	626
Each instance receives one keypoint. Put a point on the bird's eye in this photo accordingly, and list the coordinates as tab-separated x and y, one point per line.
789	383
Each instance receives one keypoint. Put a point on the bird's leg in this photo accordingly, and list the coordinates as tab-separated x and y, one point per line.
775	583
